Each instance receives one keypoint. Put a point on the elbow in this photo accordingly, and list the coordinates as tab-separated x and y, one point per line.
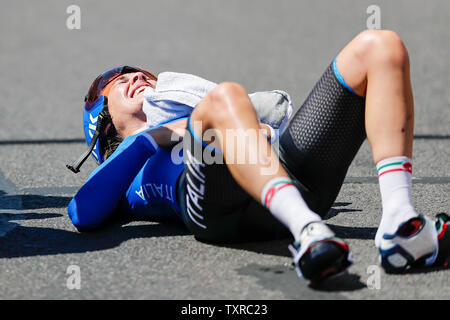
81	219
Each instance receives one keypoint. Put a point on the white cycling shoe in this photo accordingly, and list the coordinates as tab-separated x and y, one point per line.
319	254
415	243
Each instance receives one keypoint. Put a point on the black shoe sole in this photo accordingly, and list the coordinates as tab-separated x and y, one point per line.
325	259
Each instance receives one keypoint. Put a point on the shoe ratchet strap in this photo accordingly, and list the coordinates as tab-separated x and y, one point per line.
443	234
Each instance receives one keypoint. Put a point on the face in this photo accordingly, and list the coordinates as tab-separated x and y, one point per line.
125	101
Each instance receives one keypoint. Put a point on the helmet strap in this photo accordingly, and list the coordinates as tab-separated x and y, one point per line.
102	121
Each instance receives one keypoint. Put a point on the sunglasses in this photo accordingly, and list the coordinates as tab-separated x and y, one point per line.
102	81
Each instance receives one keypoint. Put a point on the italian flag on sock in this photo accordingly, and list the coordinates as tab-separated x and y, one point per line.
394	166
277	186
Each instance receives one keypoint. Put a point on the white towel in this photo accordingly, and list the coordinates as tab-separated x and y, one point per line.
177	94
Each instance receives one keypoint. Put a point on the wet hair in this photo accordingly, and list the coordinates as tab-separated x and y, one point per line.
111	139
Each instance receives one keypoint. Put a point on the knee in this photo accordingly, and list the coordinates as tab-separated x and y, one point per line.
225	101
381	47
227	91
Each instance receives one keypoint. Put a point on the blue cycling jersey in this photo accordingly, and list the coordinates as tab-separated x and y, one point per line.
152	194
138	179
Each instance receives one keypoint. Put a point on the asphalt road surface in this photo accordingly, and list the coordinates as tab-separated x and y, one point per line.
46	69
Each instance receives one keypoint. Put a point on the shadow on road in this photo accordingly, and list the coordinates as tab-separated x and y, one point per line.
344	282
24	241
362	233
33	201
280	247
284	278
34	241
337	209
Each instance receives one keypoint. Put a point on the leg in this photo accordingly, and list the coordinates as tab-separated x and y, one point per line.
324	135
376	64
228	111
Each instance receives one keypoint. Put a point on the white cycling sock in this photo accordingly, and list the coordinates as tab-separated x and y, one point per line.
394	176
286	203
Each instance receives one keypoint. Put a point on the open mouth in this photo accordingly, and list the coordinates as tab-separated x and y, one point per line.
139	89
